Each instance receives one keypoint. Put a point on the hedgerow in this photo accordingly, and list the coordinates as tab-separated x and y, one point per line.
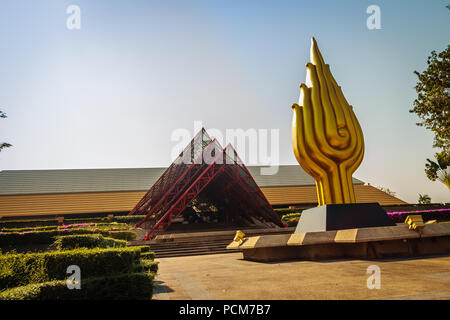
125	286
54	222
119	234
8	239
101	226
147	255
23	269
87	241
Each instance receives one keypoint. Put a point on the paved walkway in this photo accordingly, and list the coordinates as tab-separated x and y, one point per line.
228	276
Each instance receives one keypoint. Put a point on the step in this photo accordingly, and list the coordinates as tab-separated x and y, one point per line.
190	249
195	254
196	243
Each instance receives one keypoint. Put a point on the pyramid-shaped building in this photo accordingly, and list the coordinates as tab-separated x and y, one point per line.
205	170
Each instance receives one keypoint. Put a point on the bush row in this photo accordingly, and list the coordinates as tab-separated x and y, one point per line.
23	269
284	211
54	222
149	266
147	255
102	226
125	286
87	241
8	239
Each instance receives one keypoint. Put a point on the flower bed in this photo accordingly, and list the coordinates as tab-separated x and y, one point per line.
433	214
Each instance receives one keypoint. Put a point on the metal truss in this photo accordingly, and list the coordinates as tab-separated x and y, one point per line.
204	166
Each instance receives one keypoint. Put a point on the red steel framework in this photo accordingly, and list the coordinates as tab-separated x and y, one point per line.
204	168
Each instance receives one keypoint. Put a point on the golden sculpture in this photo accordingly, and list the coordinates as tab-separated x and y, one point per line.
327	138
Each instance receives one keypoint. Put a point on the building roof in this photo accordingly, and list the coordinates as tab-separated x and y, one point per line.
21	182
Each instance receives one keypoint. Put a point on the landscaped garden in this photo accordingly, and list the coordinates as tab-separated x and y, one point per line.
86	258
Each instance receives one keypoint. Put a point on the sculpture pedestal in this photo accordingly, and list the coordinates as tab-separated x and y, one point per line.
343	216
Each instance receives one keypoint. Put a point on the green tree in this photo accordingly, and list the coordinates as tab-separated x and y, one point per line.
424	199
439	170
4	144
432	105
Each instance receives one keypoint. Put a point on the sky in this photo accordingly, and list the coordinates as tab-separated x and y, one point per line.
112	93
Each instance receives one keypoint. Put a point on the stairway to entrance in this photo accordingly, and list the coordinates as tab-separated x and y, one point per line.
200	243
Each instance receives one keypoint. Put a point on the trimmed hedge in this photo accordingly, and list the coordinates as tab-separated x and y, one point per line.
101	226
291	219
36	237
147	256
23	269
54	222
129	219
123	235
8	239
87	241
144	249
284	211
131	286
150	266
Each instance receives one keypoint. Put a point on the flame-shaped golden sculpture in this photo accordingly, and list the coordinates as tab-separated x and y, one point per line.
327	138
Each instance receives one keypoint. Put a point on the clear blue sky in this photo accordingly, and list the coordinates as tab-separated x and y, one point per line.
110	94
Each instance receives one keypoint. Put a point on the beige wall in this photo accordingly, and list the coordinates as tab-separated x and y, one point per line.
47	204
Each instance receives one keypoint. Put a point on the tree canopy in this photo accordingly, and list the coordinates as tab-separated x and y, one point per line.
432	105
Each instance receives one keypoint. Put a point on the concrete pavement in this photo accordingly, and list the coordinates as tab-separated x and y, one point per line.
228	276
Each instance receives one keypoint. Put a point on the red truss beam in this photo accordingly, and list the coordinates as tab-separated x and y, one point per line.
210	172
250	194
182	183
172	173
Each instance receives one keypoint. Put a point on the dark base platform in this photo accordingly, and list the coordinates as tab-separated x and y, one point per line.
343	216
362	243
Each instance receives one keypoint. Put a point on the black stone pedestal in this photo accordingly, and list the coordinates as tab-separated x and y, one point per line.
343	216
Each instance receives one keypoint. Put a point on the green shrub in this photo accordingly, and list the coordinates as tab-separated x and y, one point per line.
147	255
129	219
28	223
131	286
284	211
36	237
29	229
54	222
291	219
101	226
123	235
87	241
291	216
144	248
22	269
113	230
150	266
